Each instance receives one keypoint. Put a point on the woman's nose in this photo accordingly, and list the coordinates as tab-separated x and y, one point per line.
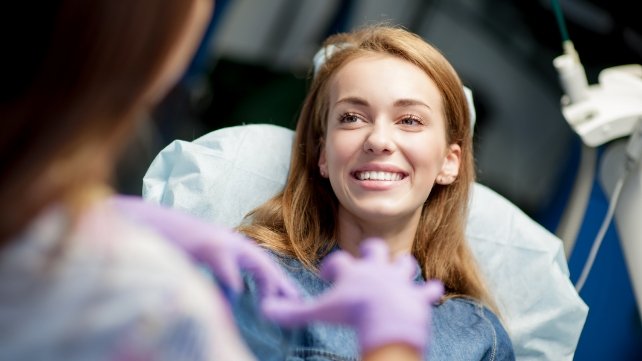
379	140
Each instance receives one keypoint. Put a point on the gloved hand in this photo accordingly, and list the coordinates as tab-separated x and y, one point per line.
374	295
223	250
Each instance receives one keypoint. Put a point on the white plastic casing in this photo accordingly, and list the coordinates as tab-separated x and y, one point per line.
610	109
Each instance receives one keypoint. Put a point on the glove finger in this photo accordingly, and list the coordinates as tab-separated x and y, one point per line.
407	265
293	312
432	291
270	279
226	271
375	249
333	264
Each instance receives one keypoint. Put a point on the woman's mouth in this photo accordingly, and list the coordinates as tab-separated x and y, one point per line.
378	176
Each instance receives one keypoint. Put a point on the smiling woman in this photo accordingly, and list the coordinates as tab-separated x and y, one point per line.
383	148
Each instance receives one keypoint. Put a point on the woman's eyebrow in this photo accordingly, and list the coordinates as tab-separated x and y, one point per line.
410	102
353	100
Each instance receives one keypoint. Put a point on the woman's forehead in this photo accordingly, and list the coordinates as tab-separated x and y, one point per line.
378	77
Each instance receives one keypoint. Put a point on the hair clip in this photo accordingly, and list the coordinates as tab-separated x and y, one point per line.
325	53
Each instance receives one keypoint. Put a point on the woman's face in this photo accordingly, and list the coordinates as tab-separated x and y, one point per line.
385	145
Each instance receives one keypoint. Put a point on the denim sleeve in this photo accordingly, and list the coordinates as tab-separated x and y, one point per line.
502	347
465	330
266	340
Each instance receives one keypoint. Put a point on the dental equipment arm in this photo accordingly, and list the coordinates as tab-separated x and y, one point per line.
374	295
600	114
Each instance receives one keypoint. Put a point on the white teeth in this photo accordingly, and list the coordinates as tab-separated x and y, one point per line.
380	176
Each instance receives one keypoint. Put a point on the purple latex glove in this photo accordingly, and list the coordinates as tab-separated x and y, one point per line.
222	249
374	295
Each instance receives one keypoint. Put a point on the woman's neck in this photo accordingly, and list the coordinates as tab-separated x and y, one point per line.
399	233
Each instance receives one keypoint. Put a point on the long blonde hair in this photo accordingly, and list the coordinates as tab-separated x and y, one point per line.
301	221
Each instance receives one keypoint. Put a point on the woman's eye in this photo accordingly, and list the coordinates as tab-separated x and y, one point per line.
410	121
349	118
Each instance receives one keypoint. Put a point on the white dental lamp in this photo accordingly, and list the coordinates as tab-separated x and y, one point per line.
607	113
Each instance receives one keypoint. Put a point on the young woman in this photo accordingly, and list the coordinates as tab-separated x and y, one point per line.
383	149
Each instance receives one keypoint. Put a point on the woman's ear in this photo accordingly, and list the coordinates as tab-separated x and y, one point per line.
323	164
450	167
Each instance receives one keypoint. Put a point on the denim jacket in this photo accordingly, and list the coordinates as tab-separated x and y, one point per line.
462	329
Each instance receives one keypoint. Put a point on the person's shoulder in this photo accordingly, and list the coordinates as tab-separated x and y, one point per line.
162	286
116	285
136	263
475	321
469	310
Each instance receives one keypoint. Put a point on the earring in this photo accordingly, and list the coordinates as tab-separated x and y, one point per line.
322	172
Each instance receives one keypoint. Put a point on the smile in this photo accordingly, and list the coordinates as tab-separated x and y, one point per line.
378	176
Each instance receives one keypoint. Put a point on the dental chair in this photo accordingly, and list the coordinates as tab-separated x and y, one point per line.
224	174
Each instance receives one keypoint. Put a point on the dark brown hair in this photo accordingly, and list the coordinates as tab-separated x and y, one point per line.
74	94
